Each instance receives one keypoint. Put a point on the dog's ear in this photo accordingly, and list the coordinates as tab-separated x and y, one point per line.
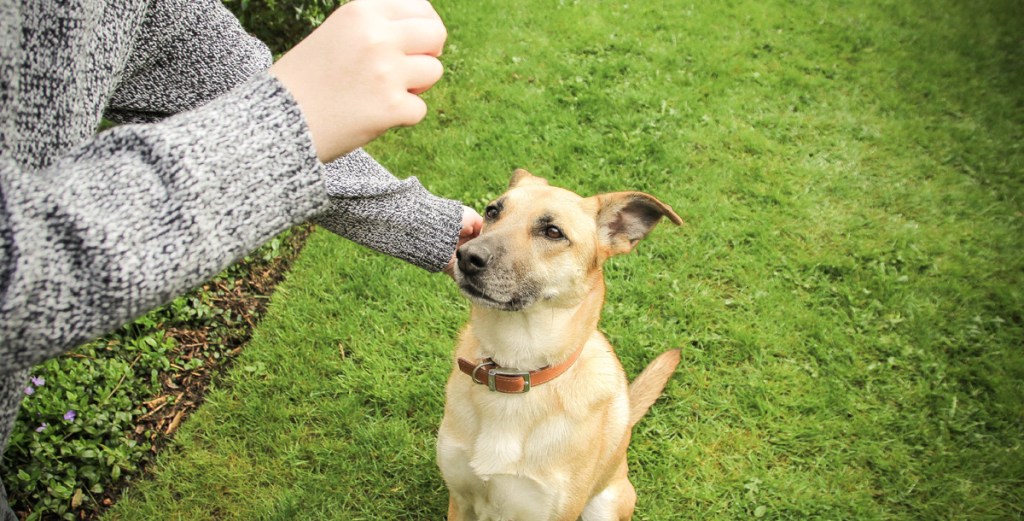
623	218
521	178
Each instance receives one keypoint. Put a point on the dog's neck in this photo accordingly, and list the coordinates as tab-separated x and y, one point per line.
538	336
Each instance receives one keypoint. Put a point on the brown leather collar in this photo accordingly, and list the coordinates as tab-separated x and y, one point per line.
513	381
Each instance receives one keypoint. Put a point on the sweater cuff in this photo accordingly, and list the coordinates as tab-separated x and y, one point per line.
406	222
431	240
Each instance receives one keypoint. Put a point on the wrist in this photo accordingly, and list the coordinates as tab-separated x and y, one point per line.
316	117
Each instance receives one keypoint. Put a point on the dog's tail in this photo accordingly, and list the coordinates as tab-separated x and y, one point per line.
646	388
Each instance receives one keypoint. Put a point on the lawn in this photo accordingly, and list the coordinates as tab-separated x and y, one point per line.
848	291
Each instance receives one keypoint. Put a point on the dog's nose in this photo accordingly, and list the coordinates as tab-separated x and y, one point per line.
473	258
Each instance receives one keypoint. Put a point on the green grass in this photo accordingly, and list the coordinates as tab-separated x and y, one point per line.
848	290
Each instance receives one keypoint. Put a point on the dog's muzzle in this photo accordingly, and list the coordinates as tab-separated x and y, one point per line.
486	279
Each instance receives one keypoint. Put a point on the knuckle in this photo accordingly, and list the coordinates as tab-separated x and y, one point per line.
381	71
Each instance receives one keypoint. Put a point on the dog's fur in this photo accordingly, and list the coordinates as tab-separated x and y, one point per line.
533	276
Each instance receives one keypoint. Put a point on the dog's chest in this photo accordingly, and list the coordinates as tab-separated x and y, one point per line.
511	457
520	436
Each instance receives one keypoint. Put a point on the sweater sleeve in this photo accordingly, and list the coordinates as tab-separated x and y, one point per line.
141	213
193	50
187	52
396	217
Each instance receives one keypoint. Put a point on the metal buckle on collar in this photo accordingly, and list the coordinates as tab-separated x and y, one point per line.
492	375
483	363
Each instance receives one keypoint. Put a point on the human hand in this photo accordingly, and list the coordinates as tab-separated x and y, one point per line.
472	224
361	72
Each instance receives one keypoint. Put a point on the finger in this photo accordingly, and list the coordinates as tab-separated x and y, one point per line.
411	110
421	36
471	223
422	72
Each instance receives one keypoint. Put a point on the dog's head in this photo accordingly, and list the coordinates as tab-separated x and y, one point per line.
542	244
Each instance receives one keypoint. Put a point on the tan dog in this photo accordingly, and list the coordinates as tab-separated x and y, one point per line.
539	411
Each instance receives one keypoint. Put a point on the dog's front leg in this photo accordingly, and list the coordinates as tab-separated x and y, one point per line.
453	510
459	513
614	503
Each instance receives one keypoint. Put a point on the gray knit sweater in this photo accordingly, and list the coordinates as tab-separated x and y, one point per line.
214	159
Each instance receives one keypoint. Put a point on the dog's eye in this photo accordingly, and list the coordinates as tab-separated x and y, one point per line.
491	212
553	232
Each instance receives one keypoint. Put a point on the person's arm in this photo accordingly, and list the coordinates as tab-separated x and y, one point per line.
142	213
177	66
186	53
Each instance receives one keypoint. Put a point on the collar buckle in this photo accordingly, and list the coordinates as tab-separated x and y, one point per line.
490	378
493	374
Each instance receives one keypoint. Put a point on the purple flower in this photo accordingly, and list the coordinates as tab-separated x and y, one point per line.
42	427
38	381
30	390
70	415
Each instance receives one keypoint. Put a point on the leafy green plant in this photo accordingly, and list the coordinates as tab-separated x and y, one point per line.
79	436
74	436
